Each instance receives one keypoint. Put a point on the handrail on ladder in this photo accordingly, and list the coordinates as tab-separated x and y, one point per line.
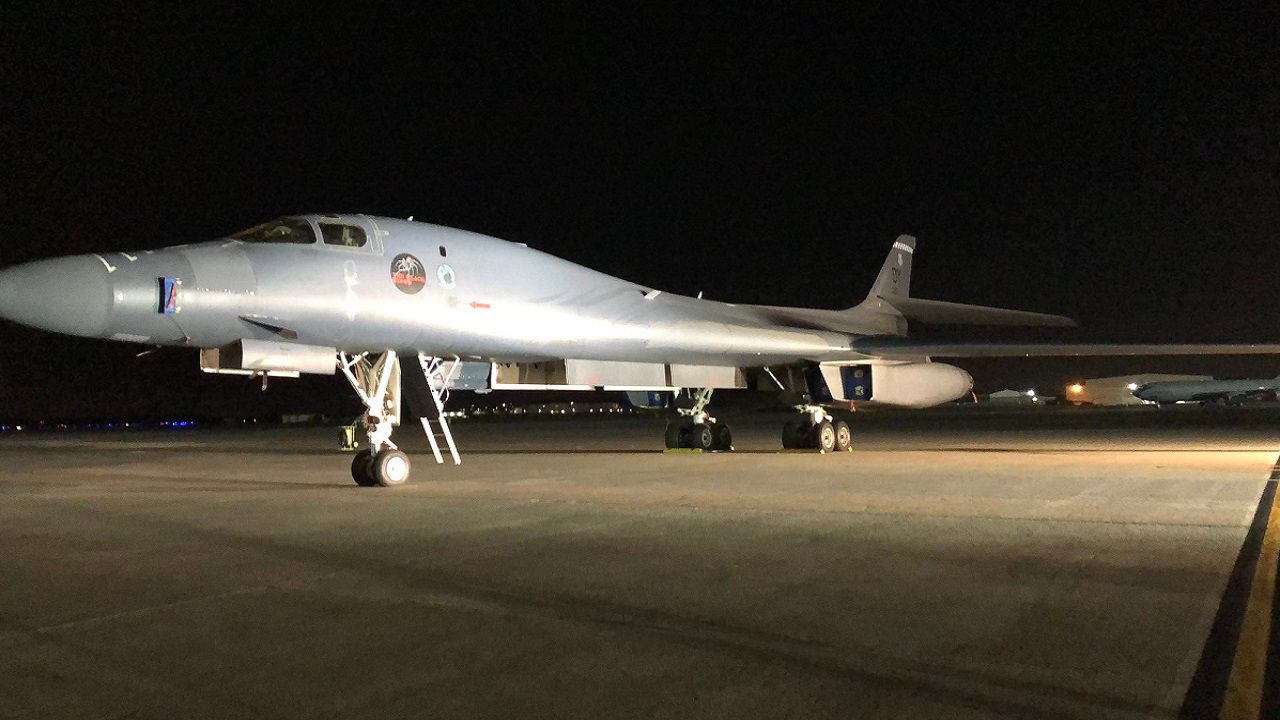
431	369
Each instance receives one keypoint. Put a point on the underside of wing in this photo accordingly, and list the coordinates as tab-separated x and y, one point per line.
894	348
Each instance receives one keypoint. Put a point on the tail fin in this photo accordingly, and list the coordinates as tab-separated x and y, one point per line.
891	294
894	280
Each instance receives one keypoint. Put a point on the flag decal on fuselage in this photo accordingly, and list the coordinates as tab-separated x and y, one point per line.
168	296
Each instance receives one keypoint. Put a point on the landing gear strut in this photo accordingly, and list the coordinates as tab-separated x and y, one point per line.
816	429
377	382
696	429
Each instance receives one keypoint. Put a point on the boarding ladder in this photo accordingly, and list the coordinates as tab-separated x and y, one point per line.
438	377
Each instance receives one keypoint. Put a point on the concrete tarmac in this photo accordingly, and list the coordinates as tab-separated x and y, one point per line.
959	565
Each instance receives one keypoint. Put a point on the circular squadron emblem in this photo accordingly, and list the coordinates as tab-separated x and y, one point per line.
407	273
446	277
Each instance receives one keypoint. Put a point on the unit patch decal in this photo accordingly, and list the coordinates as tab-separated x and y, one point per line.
446	276
408	273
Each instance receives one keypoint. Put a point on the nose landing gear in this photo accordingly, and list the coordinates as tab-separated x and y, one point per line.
377	383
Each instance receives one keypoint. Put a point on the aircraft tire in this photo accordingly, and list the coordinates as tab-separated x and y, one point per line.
701	437
824	436
390	468
722	437
361	468
675	429
793	434
844	439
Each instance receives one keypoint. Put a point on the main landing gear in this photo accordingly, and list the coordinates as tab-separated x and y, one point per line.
377	382
695	429
816	429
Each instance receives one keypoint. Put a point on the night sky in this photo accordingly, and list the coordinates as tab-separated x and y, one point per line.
1121	166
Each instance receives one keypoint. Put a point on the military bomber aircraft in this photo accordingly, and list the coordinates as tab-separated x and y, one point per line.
399	305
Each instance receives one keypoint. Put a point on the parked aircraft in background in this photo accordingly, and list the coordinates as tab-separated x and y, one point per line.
1208	392
357	294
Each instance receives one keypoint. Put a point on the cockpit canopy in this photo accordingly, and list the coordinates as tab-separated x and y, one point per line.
284	230
302	231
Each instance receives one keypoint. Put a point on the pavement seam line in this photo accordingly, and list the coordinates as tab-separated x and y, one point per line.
1206	694
1243	697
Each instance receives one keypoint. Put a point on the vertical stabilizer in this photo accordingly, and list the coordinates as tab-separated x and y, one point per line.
891	295
894	280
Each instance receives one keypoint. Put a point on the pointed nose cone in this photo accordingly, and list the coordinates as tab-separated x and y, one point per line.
69	295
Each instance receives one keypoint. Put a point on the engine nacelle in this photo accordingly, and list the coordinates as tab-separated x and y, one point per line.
914	385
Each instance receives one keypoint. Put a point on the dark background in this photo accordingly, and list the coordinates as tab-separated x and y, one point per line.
1117	165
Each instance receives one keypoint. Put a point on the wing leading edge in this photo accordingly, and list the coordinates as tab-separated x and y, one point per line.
949	313
903	348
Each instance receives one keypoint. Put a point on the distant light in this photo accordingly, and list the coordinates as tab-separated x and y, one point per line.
1076	388
1132	386
1031	393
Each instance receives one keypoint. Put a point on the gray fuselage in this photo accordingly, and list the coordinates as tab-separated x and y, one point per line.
457	293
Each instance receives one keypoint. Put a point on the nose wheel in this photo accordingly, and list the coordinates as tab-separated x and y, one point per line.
386	469
389	468
361	471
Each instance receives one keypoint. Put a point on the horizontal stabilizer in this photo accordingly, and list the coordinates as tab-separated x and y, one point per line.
902	348
949	313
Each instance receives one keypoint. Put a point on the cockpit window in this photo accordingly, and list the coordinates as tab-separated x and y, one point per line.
284	230
344	235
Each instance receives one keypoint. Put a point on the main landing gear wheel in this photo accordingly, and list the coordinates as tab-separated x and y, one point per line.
673	436
723	436
824	436
695	429
701	437
844	438
390	468
698	436
793	434
362	470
